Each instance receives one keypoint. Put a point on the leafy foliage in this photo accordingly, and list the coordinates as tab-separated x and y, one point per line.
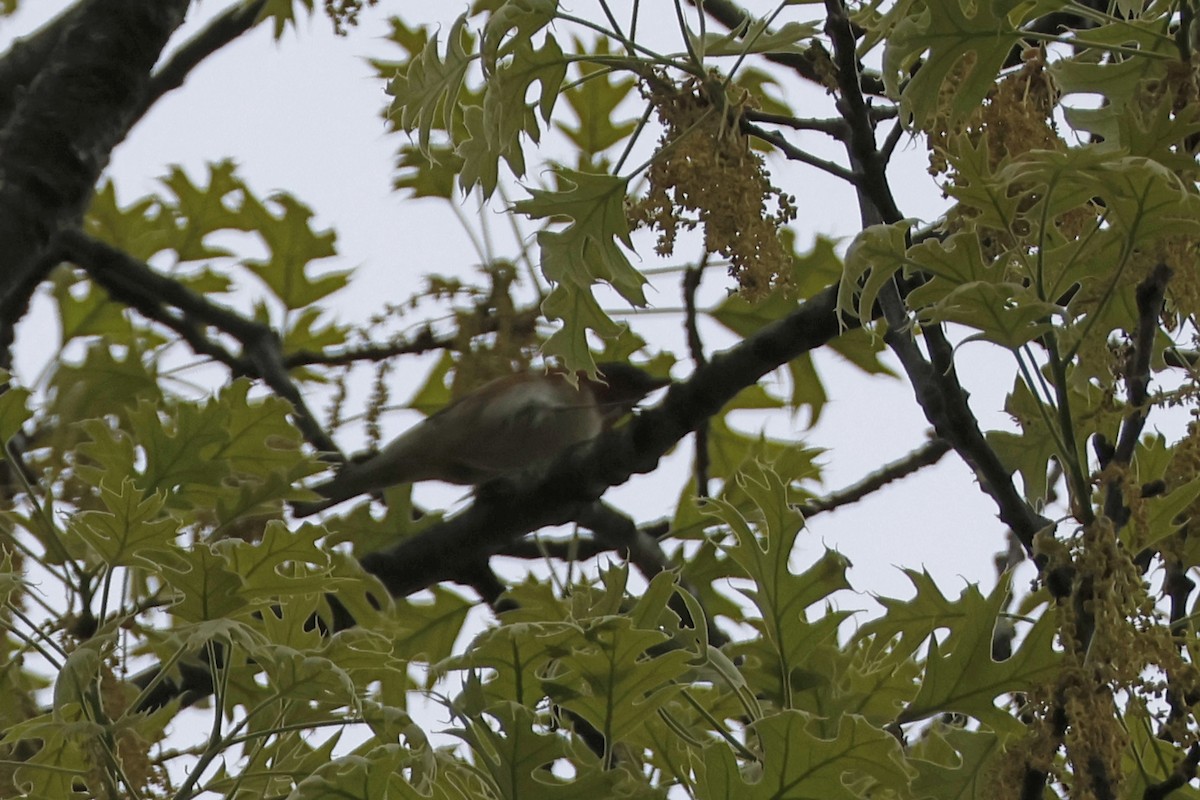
715	655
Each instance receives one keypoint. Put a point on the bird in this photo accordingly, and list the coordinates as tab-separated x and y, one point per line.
504	426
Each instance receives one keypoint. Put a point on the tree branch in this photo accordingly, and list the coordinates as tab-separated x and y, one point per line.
926	455
1150	294
135	283
835	128
27	56
934	381
796	154
229	25
65	124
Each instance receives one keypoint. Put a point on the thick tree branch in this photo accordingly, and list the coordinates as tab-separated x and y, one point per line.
1150	294
27	56
65	124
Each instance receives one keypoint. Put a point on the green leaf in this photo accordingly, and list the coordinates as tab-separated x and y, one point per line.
103	384
60	762
948	30
518	652
293	245
584	253
875	255
763	548
180	450
308	329
510	27
431	627
616	675
199	211
429	87
206	588
968	777
480	160
282	563
754	36
130	530
295	676
14	411
282	13
1028	455
84	309
376	773
731	451
507	113
1122	81
513	755
1163	517
797	764
429	174
905	624
1005	314
961	676
594	101
260	439
141	229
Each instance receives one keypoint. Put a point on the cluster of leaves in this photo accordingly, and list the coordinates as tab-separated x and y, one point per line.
464	131
159	512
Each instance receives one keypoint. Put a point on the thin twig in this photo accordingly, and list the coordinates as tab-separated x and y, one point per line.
691	283
926	455
836	128
796	154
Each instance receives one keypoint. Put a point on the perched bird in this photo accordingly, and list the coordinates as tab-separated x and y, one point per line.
503	426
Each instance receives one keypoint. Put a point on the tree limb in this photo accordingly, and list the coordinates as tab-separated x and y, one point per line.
1150	294
934	381
65	124
135	283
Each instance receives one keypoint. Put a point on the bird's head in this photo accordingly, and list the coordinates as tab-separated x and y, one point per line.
620	387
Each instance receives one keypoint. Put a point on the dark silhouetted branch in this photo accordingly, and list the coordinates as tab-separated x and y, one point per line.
172	304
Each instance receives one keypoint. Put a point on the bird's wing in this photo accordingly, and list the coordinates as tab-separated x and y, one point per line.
527	426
